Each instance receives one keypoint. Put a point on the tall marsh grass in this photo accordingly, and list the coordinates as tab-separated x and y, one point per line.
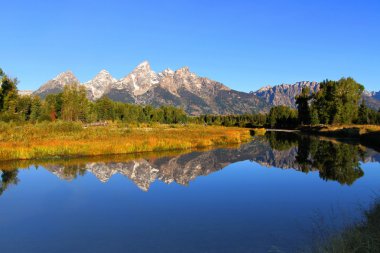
65	139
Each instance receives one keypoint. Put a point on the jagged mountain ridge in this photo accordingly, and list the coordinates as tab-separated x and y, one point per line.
100	85
181	88
56	84
285	94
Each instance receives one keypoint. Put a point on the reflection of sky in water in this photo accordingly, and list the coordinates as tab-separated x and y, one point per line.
243	208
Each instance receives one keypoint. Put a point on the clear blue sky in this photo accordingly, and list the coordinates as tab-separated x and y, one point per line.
245	44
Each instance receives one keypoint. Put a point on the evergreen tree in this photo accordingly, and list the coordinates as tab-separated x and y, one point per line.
8	93
302	102
23	106
363	114
337	101
74	103
35	109
282	117
314	119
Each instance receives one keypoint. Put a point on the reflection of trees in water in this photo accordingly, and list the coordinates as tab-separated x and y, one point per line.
74	170
340	162
282	140
8	178
334	160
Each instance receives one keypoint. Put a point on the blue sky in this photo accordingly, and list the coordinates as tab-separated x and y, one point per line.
245	44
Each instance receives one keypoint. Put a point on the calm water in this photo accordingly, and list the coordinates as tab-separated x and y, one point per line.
269	195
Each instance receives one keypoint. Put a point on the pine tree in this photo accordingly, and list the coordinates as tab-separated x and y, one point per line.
314	119
8	92
75	105
363	114
302	102
337	101
35	109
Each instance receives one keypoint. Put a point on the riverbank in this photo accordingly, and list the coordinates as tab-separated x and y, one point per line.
369	135
65	139
362	237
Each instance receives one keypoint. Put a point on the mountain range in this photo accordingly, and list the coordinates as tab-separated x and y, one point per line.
285	94
183	88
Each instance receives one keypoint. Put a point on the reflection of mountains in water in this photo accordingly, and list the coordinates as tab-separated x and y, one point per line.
186	167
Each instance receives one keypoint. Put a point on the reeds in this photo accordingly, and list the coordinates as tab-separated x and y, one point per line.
259	131
64	139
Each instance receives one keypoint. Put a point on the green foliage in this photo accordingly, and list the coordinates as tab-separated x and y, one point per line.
35	109
8	96
335	161
302	102
24	107
53	106
8	178
75	104
282	117
281	140
337	101
367	115
314	117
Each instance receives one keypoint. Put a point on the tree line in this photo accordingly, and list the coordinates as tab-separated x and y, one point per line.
336	102
72	105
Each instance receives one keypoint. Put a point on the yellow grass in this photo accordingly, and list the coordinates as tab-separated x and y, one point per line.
71	139
81	161
259	131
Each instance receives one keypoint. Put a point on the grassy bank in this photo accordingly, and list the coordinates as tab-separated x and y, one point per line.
363	237
369	135
353	131
64	139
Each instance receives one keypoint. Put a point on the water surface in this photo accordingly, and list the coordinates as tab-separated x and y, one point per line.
264	196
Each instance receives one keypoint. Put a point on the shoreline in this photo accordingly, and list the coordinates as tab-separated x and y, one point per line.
368	135
101	157
63	140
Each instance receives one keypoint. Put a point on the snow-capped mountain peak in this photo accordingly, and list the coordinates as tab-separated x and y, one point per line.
140	80
66	77
195	94
100	84
144	65
56	84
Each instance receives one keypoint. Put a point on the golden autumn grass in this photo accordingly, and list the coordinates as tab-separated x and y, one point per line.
259	131
64	139
81	161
